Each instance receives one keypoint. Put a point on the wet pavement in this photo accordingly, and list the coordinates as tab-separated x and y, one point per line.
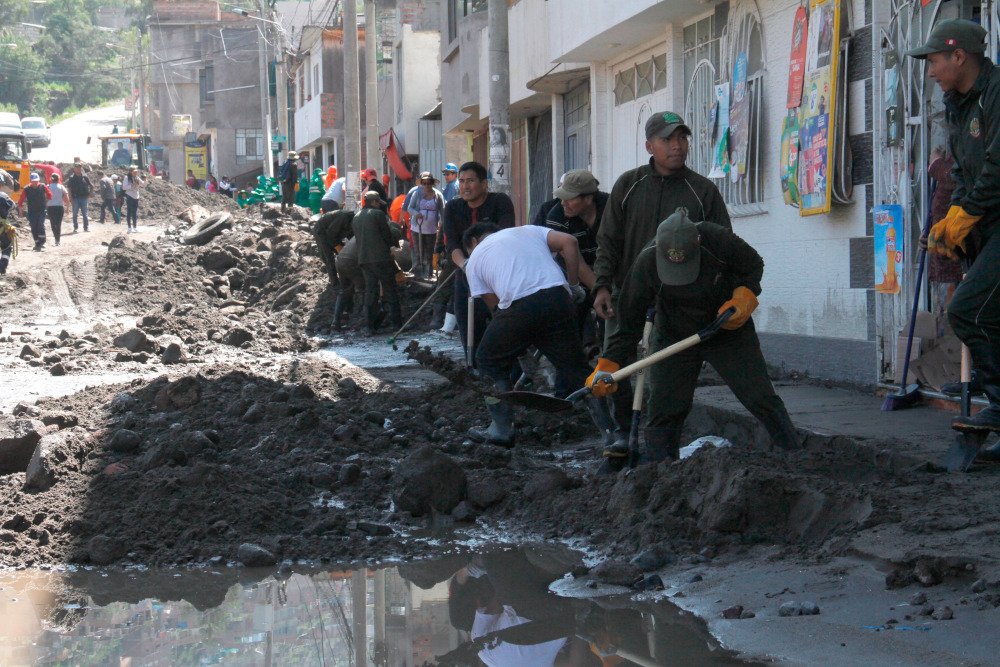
494	606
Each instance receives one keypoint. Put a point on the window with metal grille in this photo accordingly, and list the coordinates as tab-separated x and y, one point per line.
625	86
660	71
701	67
249	146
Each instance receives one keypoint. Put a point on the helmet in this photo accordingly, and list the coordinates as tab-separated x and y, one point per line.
450	167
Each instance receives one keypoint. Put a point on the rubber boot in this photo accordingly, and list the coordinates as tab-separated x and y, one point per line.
662	443
3	265
955	388
783	434
611	435
986	420
395	316
437	317
344	303
501	429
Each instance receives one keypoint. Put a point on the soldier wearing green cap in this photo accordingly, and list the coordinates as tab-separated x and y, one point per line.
640	199
691	274
955	53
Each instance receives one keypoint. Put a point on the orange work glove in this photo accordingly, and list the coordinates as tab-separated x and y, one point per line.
400	278
744	302
948	235
337	248
600	380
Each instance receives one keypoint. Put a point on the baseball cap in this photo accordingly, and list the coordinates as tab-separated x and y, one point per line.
34	177
371	194
450	167
951	35
678	249
663	124
575	183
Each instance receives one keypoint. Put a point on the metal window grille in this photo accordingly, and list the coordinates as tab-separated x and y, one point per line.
249	146
645	78
625	86
660	71
743	35
697	109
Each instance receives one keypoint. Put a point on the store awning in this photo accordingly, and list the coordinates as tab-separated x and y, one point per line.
390	144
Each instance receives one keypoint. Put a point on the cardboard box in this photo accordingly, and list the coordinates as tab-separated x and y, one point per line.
915	353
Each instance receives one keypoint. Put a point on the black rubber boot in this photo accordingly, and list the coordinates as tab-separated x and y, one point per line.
986	420
955	388
501	428
783	433
437	318
344	304
662	443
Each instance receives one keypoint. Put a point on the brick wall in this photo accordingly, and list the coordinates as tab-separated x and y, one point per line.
328	110
186	10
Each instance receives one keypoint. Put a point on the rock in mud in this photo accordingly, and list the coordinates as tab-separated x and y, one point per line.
649	582
617	573
57	369
485	492
29	352
60	419
17	523
217	260
123	402
429	479
943	614
237	336
918	598
374	529
253	555
41	472
464	512
347	384
134	340
125	441
184	393
798	609
734	612
349	474
551	480
104	550
17	443
345	432
653	558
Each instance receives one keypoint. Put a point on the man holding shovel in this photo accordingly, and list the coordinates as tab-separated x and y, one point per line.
533	304
692	274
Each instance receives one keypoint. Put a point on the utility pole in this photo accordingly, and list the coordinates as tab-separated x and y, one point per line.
143	126
281	88
265	102
352	105
499	62
373	157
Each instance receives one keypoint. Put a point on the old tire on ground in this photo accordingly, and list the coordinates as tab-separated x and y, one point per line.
206	230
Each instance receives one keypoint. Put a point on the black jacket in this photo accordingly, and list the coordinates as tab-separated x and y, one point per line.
556	220
79	185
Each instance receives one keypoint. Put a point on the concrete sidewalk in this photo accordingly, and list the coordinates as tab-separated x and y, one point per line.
921	433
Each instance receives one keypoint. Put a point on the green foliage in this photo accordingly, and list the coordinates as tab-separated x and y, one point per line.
74	64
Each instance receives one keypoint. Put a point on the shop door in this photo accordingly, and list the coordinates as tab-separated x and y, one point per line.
636	96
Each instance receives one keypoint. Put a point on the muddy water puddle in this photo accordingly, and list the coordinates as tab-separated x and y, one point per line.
493	606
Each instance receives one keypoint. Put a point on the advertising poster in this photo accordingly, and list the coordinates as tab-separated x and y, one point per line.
819	92
797	63
888	220
196	159
739	119
789	161
720	133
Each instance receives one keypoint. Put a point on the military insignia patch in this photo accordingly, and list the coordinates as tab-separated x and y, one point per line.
677	256
974	129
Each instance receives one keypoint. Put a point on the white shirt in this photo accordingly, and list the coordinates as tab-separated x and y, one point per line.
512	264
59	193
336	191
506	654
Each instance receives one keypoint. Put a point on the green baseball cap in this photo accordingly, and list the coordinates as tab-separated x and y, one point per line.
678	249
951	35
575	183
663	124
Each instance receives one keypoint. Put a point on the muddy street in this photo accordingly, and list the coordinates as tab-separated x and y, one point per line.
189	409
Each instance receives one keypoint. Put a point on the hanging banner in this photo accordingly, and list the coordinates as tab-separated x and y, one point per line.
788	163
888	220
816	130
719	121
797	63
739	119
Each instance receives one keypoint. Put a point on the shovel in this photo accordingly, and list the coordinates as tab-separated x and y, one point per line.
392	339
964	450
547	403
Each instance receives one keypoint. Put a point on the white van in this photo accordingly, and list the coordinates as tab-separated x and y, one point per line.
10	119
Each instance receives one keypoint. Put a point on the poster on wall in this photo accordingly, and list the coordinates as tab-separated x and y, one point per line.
789	161
720	134
739	119
797	63
196	160
888	219
816	131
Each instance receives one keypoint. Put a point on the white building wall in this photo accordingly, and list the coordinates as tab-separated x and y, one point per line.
421	80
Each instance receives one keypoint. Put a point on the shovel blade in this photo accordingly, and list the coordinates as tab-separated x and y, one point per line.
963	452
535	401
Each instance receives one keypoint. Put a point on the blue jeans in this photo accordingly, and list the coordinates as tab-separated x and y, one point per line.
80	204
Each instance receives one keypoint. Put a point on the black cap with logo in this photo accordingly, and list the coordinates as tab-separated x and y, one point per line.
951	35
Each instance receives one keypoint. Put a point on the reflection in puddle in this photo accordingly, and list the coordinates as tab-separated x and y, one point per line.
492	608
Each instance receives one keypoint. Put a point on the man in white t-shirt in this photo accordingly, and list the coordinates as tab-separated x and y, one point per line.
532	302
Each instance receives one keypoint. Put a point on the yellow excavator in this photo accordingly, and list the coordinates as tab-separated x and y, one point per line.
124	150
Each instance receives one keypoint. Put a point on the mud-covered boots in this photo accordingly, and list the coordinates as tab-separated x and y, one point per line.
782	432
613	439
344	304
501	428
437	318
986	420
662	443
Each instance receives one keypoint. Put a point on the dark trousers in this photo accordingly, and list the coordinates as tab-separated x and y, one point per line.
545	319
736	356
287	194
621	400
109	205
131	211
327	205
380	274
461	310
974	315
422	249
352	279
56	214
5	254
37	221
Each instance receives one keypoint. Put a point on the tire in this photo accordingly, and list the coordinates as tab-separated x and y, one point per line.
202	232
